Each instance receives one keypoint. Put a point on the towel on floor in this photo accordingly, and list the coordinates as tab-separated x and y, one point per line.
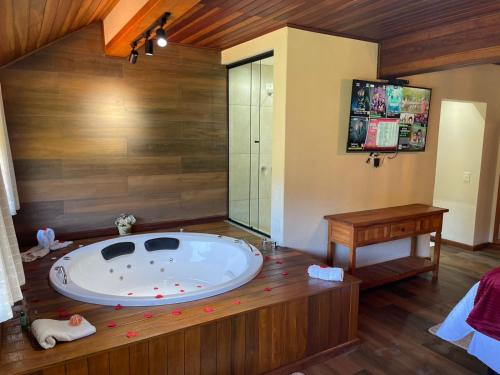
326	273
48	331
39	252
485	315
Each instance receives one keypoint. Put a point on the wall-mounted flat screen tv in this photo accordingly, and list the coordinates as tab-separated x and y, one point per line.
387	118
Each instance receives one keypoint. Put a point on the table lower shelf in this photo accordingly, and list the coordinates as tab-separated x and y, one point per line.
392	270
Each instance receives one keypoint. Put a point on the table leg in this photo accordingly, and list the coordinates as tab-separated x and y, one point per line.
331	247
413	251
435	257
352	260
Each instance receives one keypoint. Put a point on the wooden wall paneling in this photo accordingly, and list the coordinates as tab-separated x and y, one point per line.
158	355
208	349
98	364
176	353
78	367
54	370
28	25
119	360
471	41
139	358
192	350
97	136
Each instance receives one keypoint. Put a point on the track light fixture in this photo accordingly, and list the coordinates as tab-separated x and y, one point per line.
132	58
161	38
148	45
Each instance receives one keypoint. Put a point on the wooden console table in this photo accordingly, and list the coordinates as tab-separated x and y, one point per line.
356	229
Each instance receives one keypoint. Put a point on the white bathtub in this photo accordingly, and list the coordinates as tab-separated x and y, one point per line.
141	270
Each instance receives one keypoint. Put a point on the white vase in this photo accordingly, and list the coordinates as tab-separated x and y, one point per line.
124	230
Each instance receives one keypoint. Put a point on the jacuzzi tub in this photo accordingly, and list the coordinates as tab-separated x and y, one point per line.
155	269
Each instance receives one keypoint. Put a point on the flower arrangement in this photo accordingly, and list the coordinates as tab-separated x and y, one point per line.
124	223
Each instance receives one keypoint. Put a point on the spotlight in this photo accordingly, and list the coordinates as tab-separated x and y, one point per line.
148	46
161	38
132	58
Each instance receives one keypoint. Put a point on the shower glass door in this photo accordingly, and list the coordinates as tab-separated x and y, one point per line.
250	130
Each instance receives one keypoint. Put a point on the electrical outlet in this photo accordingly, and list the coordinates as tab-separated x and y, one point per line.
466	177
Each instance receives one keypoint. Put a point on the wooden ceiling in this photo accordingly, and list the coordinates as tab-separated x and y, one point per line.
26	25
225	23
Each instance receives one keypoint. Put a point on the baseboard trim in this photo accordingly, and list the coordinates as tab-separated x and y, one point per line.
112	231
301	364
464	246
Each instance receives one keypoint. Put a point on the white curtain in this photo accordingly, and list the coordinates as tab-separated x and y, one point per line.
9	178
11	267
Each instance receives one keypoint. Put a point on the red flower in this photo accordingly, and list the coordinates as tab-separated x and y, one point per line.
148	315
131	334
118	307
237	302
267	257
208	309
158	296
268	289
284	273
176	312
199	286
182	290
279	262
323	266
111	325
155	288
130	293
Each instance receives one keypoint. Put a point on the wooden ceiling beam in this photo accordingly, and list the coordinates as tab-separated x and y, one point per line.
119	45
471	41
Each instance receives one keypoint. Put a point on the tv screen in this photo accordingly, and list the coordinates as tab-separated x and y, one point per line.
387	118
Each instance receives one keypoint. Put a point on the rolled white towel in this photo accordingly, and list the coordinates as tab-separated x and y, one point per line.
48	331
326	273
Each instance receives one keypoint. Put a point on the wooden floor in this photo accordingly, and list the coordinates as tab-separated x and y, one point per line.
394	319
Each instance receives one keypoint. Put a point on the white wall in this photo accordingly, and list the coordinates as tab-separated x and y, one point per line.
460	149
320	177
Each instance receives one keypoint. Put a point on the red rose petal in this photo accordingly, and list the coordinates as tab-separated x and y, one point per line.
268	289
323	266
118	307
177	284
159	296
63	314
148	315
237	302
111	325
284	273
129	293
208	309
131	334
199	286
257	254
267	257
176	312
155	288
279	262
182	290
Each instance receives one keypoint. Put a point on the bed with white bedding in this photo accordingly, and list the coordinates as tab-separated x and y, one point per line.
455	328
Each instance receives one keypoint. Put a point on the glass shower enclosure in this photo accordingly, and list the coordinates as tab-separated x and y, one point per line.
250	96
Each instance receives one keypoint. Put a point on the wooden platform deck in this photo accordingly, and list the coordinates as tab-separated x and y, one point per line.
251	330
